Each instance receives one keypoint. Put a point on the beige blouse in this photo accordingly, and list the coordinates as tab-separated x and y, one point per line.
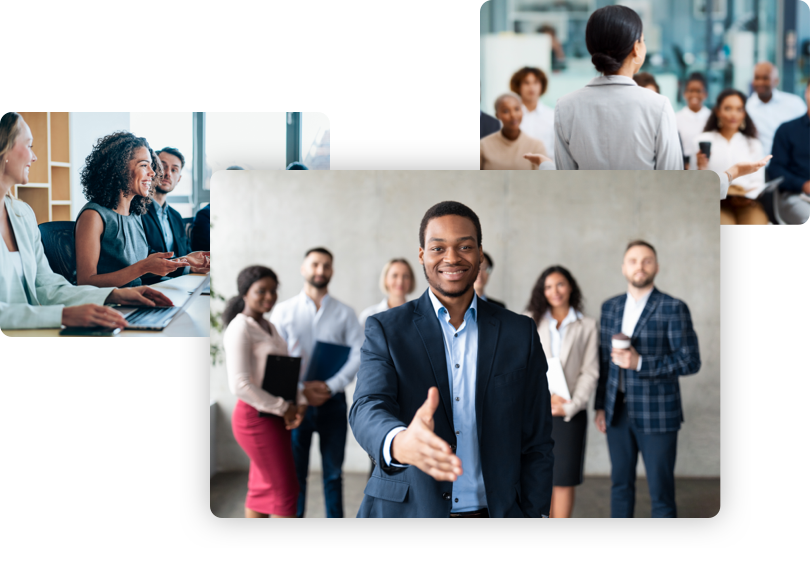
498	152
247	345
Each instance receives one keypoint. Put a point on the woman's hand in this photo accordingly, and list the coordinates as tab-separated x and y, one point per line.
139	296
159	264
537	159
557	405
92	315
746	168
702	161
300	411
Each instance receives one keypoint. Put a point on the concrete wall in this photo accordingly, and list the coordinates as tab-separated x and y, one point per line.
530	220
85	130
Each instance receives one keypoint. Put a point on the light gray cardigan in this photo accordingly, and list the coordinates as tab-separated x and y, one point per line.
39	303
615	124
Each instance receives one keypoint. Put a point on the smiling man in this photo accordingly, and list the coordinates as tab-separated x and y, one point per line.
452	402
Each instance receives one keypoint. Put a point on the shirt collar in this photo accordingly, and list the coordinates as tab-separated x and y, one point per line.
572	316
641	302
309	301
438	306
612	80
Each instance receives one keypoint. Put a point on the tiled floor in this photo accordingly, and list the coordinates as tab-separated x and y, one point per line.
696	497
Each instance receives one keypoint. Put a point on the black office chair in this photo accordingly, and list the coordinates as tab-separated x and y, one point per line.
188	226
58	240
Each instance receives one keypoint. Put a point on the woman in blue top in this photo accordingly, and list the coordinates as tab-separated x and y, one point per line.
111	246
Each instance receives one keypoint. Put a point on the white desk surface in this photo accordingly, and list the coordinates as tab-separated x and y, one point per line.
194	321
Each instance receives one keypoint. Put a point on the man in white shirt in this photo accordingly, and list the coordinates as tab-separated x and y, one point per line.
769	107
313	315
692	119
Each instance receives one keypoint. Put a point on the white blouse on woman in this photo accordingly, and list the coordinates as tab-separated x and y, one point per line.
247	345
726	153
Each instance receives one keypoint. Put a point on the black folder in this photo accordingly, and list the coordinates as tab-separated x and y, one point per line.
327	359
281	378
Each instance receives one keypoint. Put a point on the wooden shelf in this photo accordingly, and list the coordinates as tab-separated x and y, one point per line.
48	190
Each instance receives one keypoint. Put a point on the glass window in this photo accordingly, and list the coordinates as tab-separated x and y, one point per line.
315	140
168	129
247	140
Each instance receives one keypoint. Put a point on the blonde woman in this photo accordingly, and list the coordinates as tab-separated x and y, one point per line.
32	296
396	282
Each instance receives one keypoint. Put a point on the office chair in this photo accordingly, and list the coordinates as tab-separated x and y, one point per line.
769	199
188	227
58	241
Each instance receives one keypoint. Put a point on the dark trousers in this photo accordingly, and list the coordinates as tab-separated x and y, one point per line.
658	451
329	421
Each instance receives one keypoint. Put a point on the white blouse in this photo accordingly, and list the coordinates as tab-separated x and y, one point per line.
16	261
247	345
740	148
540	125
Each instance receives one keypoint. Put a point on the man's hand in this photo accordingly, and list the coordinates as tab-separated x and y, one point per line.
200	261
419	446
317	393
537	159
746	168
557	405
138	296
92	315
600	421
625	358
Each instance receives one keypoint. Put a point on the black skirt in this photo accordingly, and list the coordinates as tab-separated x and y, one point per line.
569	449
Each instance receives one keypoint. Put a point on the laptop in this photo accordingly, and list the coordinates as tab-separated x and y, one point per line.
159	317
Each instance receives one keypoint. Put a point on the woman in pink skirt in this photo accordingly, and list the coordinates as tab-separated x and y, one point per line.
249	338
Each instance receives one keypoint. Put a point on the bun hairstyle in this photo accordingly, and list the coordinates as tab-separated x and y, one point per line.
244	281
610	35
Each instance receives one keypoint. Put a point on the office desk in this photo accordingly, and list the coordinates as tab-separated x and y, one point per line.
194	321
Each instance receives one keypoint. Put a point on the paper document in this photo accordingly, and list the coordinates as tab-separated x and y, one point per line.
556	379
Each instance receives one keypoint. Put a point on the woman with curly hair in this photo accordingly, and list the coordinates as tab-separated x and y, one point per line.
32	296
572	339
111	246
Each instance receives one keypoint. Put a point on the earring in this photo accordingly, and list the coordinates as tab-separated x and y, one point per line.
742	126
719	124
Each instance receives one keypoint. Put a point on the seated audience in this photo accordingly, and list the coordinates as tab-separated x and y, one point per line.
483	278
506	149
692	119
538	120
733	138
791	162
770	107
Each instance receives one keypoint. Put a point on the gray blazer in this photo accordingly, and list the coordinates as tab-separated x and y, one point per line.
614	124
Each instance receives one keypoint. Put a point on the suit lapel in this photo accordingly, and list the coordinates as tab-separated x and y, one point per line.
571	332
619	314
427	324
178	231
649	308
25	245
151	214
543	332
488	328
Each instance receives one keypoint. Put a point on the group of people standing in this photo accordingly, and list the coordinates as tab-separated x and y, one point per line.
636	386
612	124
117	253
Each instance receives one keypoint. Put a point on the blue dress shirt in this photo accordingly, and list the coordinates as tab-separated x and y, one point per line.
461	354
791	154
166	228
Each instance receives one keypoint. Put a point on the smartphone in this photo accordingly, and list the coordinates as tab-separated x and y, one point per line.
91	331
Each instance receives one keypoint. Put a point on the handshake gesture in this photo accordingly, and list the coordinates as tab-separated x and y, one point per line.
419	446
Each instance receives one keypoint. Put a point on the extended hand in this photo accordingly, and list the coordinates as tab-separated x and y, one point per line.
138	296
419	446
159	263
317	393
200	261
537	159
625	358
600	421
92	315
746	168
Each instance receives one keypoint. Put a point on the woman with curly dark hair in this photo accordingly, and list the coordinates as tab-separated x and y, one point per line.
111	246
572	341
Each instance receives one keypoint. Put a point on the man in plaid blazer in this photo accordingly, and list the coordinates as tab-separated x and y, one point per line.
638	399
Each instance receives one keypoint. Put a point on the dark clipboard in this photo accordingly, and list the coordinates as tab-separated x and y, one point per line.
281	378
327	359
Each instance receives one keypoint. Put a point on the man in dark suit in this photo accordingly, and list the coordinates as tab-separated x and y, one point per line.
483	278
201	232
489	125
163	225
480	445
638	399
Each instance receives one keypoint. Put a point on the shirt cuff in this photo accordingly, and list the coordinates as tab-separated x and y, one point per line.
570	410
638	368
387	447
333	385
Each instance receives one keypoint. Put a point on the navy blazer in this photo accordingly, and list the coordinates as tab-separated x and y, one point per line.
668	346
154	234
402	357
201	232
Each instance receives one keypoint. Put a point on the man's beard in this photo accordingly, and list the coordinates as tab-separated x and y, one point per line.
318	285
444	292
160	190
643	284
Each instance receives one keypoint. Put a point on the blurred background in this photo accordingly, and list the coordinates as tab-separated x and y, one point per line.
723	39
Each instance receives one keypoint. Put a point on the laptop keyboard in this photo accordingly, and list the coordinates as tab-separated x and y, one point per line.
150	317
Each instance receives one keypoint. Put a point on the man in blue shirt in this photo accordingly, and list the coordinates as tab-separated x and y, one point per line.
791	162
163	225
480	444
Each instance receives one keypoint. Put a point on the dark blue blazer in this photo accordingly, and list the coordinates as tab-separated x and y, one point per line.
201	232
402	357
668	346
489	124
154	235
